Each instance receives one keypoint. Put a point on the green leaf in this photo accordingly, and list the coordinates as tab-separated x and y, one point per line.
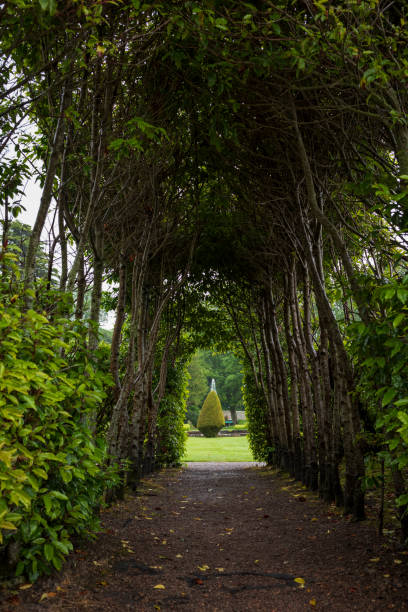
17	496
59	495
388	396
49	551
398	319
33	482
41	473
56	561
403	417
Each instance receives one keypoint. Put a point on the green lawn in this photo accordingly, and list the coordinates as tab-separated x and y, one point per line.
218	449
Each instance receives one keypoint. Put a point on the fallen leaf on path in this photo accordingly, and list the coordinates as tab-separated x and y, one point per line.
198	581
203	568
47	595
397	561
375	560
179	556
256	561
164	542
25	586
159	586
312	602
314	519
197	518
220	569
300	580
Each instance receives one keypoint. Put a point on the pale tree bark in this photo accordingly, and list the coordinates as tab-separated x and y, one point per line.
343	386
282	397
61	222
47	193
119	321
294	382
309	434
96	294
326	223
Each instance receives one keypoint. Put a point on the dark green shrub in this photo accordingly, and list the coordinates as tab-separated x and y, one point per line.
255	410
211	418
172	410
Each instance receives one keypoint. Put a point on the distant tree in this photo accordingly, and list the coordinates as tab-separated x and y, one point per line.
18	235
226	369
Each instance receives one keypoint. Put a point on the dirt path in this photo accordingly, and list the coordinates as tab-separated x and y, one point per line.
226	537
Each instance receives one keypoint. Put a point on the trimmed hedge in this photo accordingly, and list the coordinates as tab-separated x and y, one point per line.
211	418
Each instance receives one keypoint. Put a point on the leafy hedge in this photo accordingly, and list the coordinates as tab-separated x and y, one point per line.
52	472
211	418
172	411
381	349
255	411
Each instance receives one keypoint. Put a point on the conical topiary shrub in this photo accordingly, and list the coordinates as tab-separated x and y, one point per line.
211	418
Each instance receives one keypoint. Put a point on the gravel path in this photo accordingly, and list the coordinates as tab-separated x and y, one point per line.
225	537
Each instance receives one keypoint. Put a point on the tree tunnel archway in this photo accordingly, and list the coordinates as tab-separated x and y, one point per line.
242	166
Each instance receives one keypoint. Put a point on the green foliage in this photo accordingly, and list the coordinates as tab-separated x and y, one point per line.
172	410
211	418
381	350
52	472
18	236
255	410
225	369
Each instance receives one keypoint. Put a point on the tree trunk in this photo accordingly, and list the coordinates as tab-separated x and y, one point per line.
81	288
47	192
96	295
117	330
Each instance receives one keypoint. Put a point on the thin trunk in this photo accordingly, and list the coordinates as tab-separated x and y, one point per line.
294	383
47	192
81	288
322	422
51	262
6	227
119	321
327	224
61	223
98	268
280	383
342	372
